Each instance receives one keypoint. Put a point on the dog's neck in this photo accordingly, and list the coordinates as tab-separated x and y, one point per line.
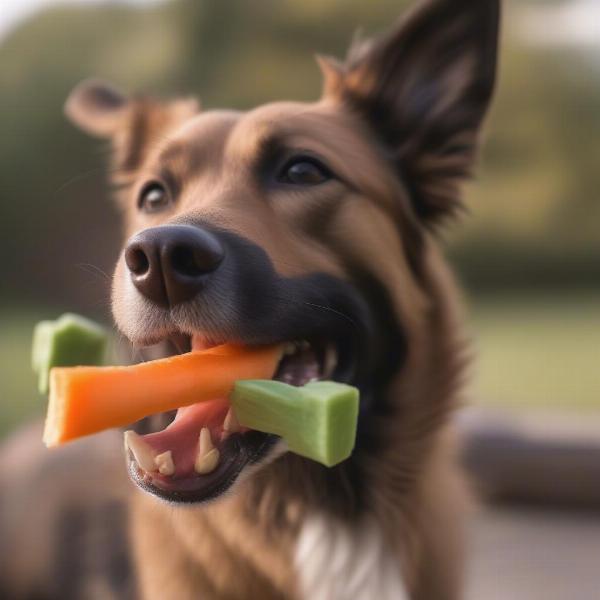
260	544
336	560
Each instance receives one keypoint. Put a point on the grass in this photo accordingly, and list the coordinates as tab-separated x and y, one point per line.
533	351
19	398
538	351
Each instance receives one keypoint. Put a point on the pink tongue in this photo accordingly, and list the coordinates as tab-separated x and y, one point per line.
181	436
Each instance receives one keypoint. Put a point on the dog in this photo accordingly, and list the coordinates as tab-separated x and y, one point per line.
314	225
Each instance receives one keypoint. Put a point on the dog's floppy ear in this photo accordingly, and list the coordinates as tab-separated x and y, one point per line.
424	89
97	107
132	124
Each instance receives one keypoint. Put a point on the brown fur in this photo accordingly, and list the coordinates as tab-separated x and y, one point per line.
398	151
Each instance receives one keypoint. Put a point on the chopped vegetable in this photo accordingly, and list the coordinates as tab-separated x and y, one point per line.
86	400
317	420
68	341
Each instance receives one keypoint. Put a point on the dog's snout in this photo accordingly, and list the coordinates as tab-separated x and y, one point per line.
169	264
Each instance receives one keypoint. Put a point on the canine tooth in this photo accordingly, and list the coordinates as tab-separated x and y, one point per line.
142	452
206	463
165	463
208	456
205	444
304	345
289	348
231	424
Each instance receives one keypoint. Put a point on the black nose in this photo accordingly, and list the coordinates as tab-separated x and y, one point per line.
170	264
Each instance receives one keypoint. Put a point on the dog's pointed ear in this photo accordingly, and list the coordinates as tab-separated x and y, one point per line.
133	124
332	71
424	89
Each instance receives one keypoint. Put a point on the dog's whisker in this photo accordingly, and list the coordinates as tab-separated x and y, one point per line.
334	311
95	270
77	178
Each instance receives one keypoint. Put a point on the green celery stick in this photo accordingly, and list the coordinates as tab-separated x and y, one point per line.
69	341
317	421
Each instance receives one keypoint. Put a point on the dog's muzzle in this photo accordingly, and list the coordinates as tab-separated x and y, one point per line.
193	286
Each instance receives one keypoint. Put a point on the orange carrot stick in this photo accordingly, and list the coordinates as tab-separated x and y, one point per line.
85	400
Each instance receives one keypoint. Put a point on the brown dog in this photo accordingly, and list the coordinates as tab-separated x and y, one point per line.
312	224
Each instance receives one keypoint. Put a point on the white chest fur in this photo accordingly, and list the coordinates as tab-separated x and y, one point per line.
335	562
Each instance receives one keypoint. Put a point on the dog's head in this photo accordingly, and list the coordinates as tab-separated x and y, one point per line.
308	224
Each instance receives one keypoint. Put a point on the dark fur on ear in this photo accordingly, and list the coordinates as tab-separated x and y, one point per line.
424	89
132	124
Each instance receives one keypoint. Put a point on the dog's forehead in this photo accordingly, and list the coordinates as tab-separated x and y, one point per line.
320	126
199	141
206	140
209	125
242	133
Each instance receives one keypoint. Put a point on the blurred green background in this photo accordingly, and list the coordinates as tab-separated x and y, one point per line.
528	251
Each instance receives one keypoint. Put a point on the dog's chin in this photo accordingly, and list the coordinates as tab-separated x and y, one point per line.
238	452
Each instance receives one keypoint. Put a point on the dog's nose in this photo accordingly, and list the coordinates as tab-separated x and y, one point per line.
169	264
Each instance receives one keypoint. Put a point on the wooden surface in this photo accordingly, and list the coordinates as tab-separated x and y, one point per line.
534	554
541	458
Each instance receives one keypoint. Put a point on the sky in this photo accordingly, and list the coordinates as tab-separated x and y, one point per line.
12	12
573	22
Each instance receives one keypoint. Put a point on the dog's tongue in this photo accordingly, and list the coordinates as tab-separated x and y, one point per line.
182	435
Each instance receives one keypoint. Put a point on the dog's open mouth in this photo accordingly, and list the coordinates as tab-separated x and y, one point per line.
196	453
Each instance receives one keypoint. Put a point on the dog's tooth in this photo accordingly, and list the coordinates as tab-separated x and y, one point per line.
142	452
289	349
231	424
206	463
205	443
304	345
165	463
208	456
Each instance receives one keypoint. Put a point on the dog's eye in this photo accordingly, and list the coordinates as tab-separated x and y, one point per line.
304	171
153	197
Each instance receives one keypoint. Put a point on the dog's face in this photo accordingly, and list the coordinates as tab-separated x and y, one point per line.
303	224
